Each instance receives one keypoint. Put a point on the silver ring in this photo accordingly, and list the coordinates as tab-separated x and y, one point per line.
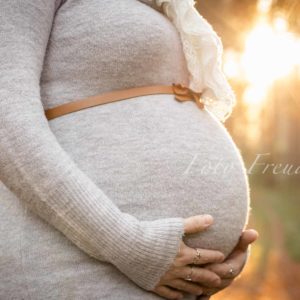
231	272
189	276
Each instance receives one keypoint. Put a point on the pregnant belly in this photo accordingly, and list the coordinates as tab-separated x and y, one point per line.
156	158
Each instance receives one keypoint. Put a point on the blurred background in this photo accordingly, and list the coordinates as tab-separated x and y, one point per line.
261	41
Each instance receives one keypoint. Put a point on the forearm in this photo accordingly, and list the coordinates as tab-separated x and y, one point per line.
41	173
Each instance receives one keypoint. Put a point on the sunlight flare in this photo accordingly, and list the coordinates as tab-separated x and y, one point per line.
271	53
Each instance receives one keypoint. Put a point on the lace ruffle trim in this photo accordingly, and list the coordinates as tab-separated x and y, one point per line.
203	51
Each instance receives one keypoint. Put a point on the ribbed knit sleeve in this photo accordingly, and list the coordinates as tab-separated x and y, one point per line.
35	167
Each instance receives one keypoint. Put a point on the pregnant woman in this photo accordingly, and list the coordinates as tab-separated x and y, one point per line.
95	203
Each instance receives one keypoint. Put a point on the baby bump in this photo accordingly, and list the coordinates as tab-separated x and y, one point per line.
156	158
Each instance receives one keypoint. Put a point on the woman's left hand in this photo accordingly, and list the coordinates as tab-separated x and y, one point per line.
232	266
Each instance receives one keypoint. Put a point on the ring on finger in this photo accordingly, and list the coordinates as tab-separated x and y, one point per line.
197	256
231	271
189	276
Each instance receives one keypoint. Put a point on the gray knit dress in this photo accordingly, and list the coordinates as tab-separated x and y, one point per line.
92	203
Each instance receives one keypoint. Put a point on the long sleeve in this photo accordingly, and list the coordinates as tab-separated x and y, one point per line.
36	168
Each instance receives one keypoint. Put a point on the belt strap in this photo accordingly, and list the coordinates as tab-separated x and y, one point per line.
181	93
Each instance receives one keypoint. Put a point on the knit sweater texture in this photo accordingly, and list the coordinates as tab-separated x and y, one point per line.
92	203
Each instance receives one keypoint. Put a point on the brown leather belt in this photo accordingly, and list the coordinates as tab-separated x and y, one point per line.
181	93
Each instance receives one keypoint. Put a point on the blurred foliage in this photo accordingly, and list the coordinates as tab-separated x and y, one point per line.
274	268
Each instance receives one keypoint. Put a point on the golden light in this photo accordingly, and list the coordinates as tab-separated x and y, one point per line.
263	6
254	94
231	66
280	24
271	53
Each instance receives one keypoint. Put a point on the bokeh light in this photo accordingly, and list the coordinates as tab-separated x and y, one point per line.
270	53
262	62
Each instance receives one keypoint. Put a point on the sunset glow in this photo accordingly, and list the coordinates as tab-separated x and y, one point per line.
271	53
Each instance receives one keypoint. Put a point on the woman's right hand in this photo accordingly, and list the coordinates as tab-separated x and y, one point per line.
173	283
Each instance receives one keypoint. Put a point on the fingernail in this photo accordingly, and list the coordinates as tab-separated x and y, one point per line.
199	293
222	257
208	219
216	282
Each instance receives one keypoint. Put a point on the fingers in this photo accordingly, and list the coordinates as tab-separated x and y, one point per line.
224	284
186	286
167	292
203	298
242	248
208	292
223	270
199	275
247	238
231	267
197	223
190	255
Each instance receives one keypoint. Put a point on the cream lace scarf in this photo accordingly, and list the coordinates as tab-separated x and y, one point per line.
203	51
